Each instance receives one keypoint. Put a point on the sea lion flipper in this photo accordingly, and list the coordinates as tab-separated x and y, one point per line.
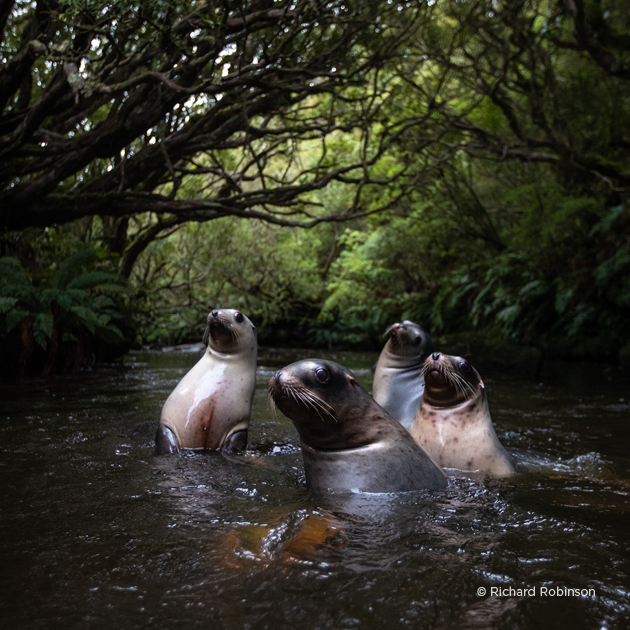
165	441
237	442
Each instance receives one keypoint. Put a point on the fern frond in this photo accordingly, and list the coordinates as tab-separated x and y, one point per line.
43	328
71	267
6	303
93	279
12	274
14	317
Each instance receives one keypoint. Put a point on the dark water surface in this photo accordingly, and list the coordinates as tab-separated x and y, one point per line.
95	531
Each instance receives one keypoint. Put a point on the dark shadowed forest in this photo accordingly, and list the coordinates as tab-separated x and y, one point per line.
326	167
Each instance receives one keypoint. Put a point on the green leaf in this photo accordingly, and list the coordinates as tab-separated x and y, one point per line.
43	328
6	303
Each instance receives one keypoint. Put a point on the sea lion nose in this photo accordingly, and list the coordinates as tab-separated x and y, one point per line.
276	376
215	312
436	356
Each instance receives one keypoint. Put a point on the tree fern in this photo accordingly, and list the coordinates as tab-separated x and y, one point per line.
75	301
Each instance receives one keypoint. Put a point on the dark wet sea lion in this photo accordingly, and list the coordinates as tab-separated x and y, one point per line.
453	422
211	406
349	442
398	379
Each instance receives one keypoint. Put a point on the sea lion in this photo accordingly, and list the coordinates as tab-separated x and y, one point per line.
211	406
453	422
398	379
349	442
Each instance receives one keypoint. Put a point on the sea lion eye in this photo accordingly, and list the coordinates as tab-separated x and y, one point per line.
416	341
464	366
322	374
238	317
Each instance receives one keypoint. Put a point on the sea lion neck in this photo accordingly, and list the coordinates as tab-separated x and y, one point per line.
401	356
355	425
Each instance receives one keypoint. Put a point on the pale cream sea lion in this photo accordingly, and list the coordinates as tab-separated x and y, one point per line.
211	406
398	379
453	422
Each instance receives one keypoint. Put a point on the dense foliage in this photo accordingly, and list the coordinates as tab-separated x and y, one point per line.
465	164
55	322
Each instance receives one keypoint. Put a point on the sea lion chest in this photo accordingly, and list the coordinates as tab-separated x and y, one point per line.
461	437
216	392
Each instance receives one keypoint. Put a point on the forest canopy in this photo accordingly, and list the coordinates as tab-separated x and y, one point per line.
328	167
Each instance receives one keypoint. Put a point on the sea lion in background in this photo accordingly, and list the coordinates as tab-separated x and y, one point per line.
398	379
453	422
211	406
349	442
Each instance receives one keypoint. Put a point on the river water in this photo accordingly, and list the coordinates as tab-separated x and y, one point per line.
97	532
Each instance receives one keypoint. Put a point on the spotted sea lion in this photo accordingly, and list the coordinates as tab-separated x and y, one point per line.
398	379
211	406
349	442
453	422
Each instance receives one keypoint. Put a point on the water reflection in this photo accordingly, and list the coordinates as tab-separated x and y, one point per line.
96	531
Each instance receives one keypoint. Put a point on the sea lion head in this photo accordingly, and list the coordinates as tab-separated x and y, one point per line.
328	406
407	343
449	380
229	331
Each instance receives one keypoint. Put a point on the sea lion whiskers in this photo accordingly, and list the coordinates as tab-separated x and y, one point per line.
310	399
452	378
226	324
322	404
456	381
308	403
465	384
271	403
235	336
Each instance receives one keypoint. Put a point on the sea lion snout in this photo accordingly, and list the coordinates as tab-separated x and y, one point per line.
215	313
436	356
276	385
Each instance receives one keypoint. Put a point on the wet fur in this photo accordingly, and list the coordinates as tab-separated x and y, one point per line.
398	380
349	442
211	406
453	422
